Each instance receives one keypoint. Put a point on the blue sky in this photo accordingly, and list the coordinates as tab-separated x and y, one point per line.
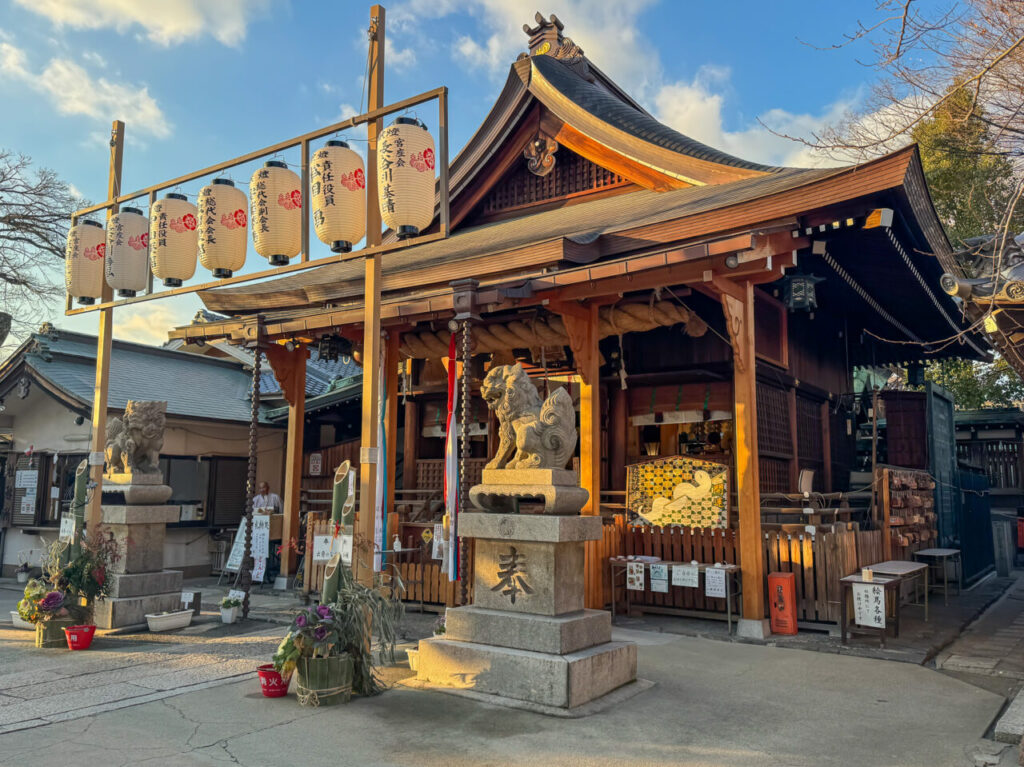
199	82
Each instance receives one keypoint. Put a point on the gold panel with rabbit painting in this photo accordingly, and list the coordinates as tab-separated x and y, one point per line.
679	491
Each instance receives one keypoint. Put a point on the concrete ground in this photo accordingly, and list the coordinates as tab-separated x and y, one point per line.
714	703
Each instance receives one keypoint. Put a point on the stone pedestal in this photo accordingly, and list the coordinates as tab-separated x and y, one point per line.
501	490
527	639
139	583
135	489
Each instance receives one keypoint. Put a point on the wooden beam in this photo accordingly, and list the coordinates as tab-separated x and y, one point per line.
362	555
104	339
826	446
739	316
293	462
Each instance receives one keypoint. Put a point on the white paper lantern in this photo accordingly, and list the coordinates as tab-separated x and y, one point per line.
83	261
338	193
173	239
405	177
275	194
223	218
127	261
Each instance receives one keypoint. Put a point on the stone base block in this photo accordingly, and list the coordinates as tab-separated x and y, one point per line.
502	499
530	527
129	611
529	477
528	576
752	628
540	633
141	584
136	495
562	681
132	478
120	514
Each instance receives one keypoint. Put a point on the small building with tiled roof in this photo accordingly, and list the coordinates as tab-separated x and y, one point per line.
46	394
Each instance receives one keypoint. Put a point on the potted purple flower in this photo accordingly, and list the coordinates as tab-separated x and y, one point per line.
323	669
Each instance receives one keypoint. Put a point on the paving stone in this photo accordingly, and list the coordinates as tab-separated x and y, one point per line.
1010	727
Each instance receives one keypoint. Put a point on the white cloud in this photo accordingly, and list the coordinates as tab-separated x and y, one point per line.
167	22
147	323
401	59
73	91
608	31
94	58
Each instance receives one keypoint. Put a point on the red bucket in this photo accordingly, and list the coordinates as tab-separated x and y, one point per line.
79	637
272	683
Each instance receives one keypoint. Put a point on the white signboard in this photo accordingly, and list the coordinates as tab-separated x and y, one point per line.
26	478
236	594
685	575
346	549
714	582
437	550
316	464
635	576
260	536
187	597
659	578
28	505
869	605
259	569
323	549
67	528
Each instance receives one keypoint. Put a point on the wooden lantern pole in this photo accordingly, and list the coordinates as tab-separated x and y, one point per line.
370	449
103	347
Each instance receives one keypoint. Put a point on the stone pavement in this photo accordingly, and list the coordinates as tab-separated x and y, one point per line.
994	644
714	703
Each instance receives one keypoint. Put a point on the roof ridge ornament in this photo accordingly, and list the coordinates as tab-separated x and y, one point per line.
546	39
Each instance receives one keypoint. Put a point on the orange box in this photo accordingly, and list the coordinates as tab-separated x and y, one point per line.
782	595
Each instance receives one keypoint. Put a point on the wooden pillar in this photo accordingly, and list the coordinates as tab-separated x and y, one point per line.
294	462
410	450
794	443
618	418
391	361
738	305
104	337
362	555
826	446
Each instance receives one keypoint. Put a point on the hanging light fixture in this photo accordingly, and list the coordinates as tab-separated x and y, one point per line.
222	222
276	198
405	177
799	293
338	192
173	238
127	261
83	261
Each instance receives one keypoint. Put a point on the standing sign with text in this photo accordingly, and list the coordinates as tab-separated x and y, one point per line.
869	605
714	582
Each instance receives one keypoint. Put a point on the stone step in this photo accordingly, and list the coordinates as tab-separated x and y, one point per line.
540	633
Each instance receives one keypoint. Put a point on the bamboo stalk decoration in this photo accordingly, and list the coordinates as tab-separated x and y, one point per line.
250	485
342	512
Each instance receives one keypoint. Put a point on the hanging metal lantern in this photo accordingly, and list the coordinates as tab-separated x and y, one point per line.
173	239
799	292
405	177
223	218
275	194
338	193
83	261
127	261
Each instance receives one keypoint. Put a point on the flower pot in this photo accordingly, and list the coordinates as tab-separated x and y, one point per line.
229	614
272	684
80	637
324	681
51	633
169	621
21	623
21	576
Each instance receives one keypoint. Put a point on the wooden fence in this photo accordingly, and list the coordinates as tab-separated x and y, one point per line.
817	561
422	577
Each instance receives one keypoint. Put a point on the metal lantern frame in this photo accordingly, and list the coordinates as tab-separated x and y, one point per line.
440	95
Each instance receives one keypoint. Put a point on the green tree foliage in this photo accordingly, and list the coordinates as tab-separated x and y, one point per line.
977	385
971	183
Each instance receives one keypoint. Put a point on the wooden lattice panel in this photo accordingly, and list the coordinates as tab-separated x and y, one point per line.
773	434
572	174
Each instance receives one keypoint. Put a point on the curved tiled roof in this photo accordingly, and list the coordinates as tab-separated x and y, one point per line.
609	108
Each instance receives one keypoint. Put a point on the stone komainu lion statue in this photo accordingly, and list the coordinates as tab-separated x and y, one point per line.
532	435
134	441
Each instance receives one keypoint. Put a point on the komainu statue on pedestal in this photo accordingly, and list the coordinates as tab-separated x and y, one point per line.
134	441
532	434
